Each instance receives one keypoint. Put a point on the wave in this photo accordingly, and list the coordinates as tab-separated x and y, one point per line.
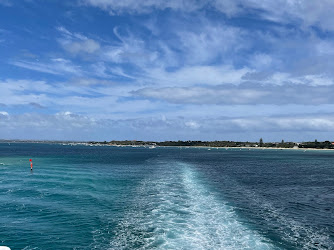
273	221
293	231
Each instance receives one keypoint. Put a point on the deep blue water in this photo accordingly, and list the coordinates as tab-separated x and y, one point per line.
80	197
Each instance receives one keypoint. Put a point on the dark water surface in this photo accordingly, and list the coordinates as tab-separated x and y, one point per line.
81	197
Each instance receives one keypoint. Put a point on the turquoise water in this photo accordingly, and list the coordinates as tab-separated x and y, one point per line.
80	197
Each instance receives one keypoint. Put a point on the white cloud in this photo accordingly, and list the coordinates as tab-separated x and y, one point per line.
283	78
56	66
310	12
261	61
133	6
83	81
88	46
97	100
126	49
35	66
200	95
307	12
39	126
192	124
244	94
325	48
279	123
70	35
129	49
317	80
190	46
192	75
69	125
295	123
76	43
203	54
208	42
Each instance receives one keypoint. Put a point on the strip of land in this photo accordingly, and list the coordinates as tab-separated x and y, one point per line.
215	144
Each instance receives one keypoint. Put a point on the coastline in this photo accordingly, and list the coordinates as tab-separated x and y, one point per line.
209	147
98	144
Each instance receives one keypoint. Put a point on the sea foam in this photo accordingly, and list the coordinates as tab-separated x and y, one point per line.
175	211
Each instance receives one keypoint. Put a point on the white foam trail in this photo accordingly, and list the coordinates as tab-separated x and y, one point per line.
4	248
175	211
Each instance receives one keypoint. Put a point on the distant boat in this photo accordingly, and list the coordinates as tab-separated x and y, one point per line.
151	147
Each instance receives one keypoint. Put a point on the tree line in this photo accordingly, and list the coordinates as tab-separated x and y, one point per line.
189	143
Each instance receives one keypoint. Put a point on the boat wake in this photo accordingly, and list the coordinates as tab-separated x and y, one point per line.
174	210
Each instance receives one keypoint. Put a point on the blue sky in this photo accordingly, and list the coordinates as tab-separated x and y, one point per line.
167	70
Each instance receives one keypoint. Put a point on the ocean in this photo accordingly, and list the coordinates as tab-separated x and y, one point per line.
102	197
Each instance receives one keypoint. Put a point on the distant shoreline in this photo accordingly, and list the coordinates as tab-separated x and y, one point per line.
250	148
152	144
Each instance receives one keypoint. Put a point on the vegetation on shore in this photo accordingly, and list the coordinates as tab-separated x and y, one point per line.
232	144
282	144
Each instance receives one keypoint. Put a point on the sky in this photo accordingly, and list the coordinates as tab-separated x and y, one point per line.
167	70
